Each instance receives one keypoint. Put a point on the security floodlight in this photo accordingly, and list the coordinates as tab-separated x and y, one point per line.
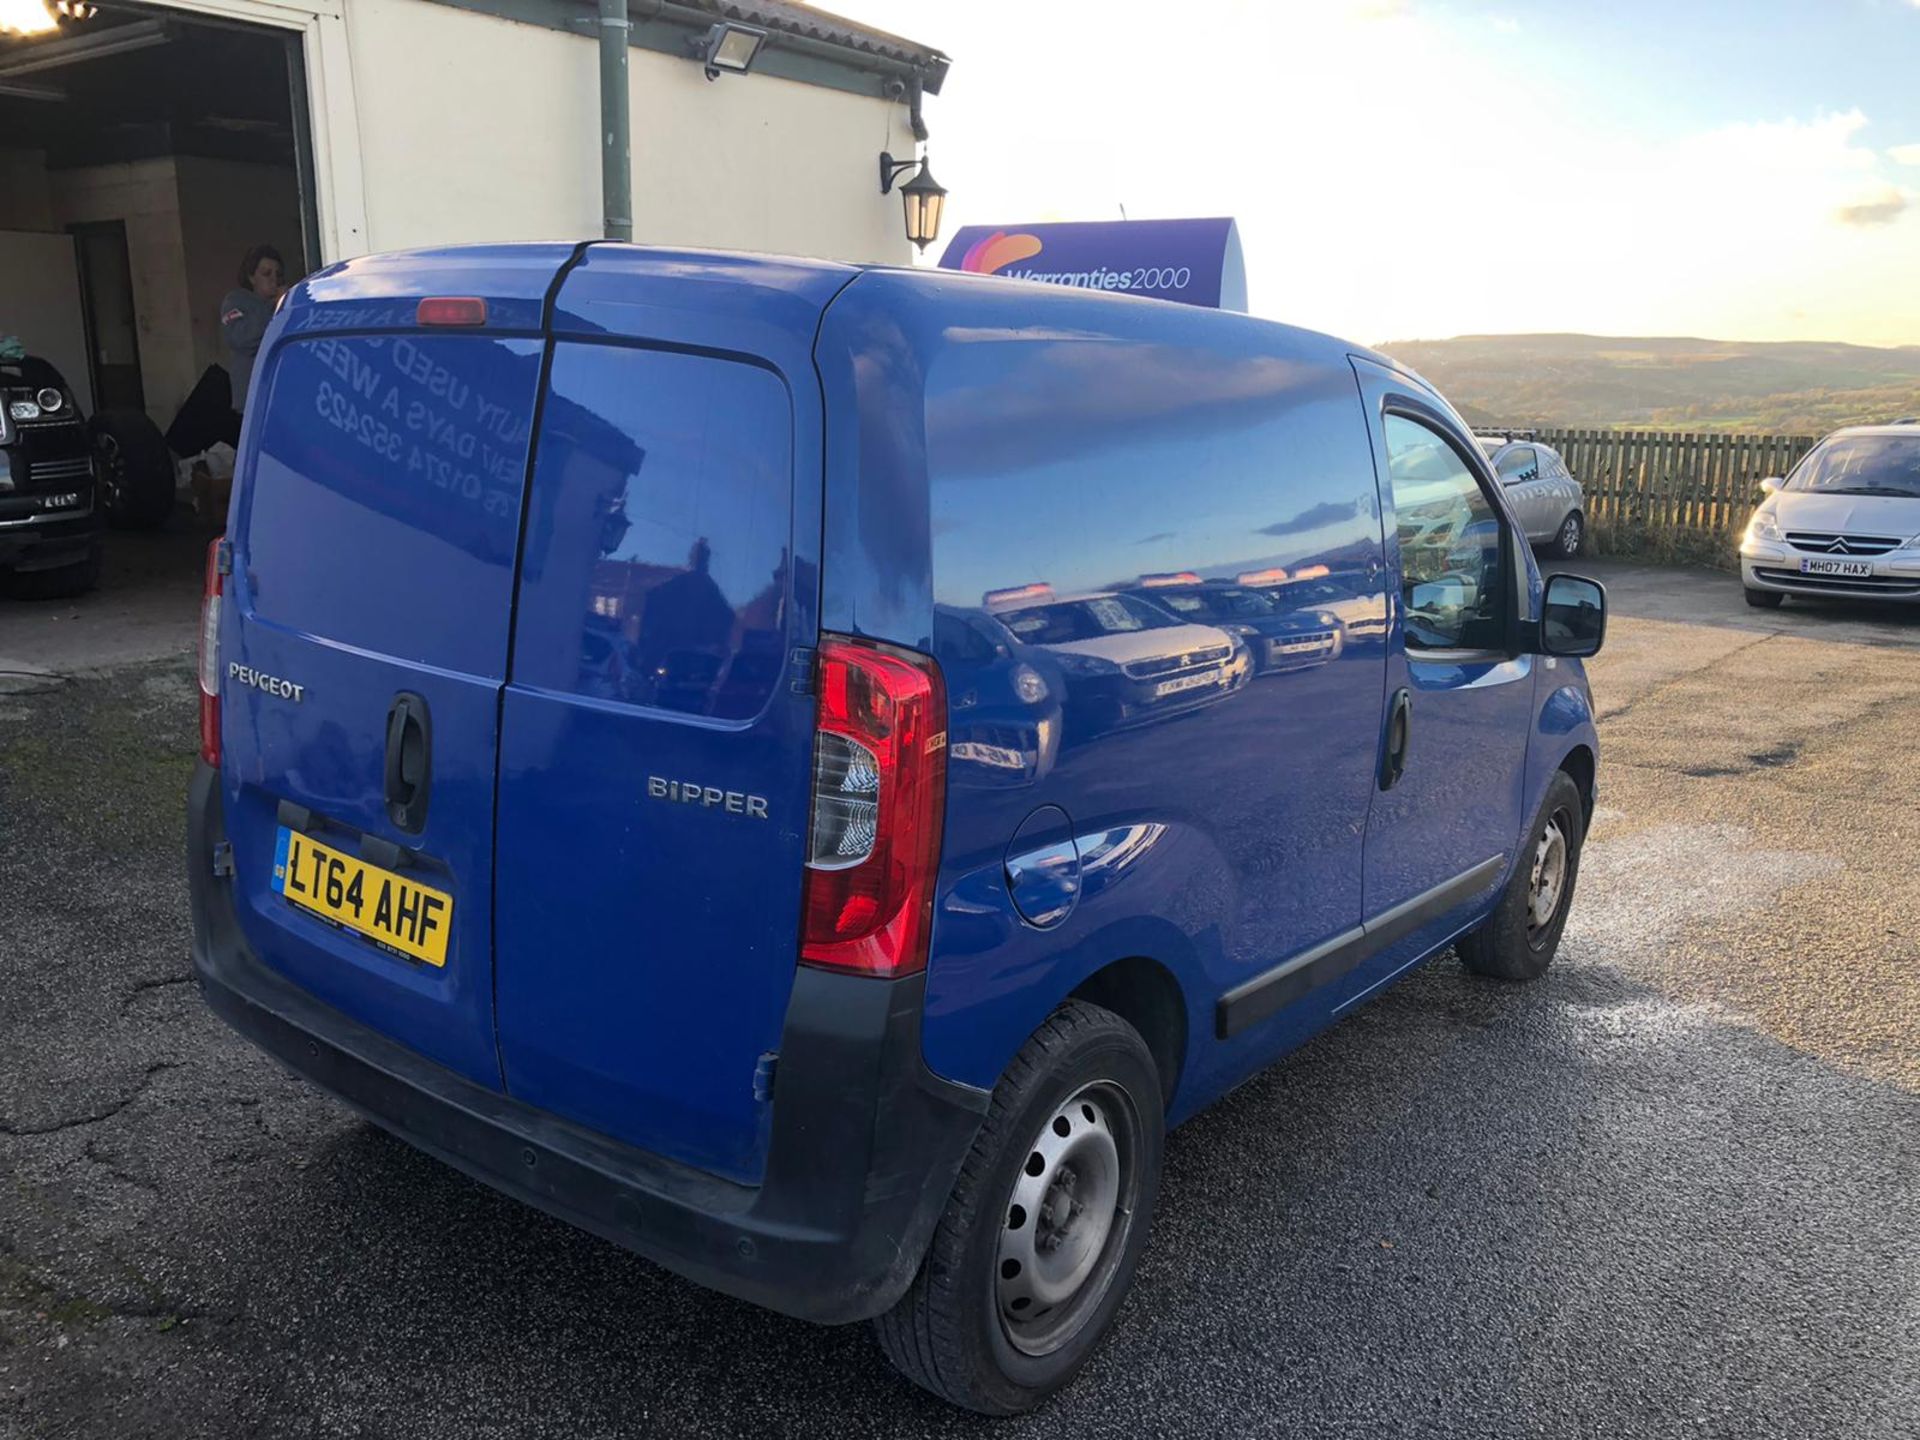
730	48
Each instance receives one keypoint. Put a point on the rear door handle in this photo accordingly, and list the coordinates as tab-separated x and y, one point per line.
409	771
1393	750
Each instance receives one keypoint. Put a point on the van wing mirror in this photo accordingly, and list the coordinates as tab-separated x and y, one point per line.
1573	616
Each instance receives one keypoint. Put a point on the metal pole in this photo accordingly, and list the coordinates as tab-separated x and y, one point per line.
616	139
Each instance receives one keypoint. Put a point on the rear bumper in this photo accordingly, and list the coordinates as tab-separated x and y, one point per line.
865	1142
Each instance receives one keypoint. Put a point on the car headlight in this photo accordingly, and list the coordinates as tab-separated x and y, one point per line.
23	410
1085	664
1245	632
1913	544
1029	684
1325	619
1763	526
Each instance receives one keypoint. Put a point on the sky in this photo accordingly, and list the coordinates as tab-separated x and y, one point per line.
1418	169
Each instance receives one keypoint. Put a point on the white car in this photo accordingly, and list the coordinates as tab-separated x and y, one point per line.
1845	523
1546	499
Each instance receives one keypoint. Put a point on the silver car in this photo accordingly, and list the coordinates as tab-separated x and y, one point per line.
1845	523
1546	499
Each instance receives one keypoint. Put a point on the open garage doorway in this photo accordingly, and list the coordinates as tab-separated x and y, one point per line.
143	150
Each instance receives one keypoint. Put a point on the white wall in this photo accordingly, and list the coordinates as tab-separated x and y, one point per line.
145	195
477	128
40	302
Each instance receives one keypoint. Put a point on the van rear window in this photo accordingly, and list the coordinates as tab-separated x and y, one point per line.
384	500
657	565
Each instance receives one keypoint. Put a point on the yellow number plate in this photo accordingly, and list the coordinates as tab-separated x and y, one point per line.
386	908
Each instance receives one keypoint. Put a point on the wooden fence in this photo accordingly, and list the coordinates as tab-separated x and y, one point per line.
1664	481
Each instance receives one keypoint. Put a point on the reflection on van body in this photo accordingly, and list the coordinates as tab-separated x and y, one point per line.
1277	635
1351	596
1127	662
1003	701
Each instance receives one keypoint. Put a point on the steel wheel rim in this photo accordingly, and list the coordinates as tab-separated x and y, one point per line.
1547	884
1067	1220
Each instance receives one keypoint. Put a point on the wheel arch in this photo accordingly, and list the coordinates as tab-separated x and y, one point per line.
1581	766
1145	993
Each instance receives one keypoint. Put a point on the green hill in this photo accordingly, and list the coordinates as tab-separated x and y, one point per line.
1793	387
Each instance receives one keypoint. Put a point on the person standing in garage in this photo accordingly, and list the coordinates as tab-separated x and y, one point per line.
245	311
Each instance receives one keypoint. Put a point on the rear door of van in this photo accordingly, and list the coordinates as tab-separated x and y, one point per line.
365	634
657	727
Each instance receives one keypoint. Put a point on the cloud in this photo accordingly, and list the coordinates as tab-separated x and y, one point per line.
1507	25
1883	208
1905	154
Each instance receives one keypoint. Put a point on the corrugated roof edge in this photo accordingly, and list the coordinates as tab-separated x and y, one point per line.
803	43
793	18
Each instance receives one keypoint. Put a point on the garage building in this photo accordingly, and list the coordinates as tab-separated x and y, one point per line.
144	147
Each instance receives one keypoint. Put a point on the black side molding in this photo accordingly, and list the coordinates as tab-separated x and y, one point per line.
1252	1001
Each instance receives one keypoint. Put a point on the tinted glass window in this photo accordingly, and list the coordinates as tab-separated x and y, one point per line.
1451	576
1862	465
656	566
1515	464
385	502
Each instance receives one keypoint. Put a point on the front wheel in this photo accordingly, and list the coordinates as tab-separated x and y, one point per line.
1566	540
135	469
1764	599
1038	1244
1518	941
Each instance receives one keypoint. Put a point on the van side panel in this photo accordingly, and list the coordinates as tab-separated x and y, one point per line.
1151	568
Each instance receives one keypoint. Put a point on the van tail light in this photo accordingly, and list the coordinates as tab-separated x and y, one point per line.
879	798
210	656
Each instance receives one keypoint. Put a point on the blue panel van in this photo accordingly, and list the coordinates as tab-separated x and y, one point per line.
807	771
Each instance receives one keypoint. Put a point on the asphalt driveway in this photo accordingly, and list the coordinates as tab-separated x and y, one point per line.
1672	1190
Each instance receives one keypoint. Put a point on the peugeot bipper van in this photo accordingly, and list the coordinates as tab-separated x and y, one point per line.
685	741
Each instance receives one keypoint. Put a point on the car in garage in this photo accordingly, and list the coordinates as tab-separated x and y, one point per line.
1546	499
50	523
1844	524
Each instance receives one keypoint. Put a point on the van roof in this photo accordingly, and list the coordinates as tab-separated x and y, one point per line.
440	268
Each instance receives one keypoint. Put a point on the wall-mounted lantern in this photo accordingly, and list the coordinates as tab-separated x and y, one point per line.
922	197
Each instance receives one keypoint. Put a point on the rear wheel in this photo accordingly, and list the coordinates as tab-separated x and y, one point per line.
1039	1241
1566	540
61	584
1764	599
1518	941
136	469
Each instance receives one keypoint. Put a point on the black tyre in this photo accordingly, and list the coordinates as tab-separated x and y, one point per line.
61	584
1567	539
1517	941
1764	599
136	469
1039	1241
